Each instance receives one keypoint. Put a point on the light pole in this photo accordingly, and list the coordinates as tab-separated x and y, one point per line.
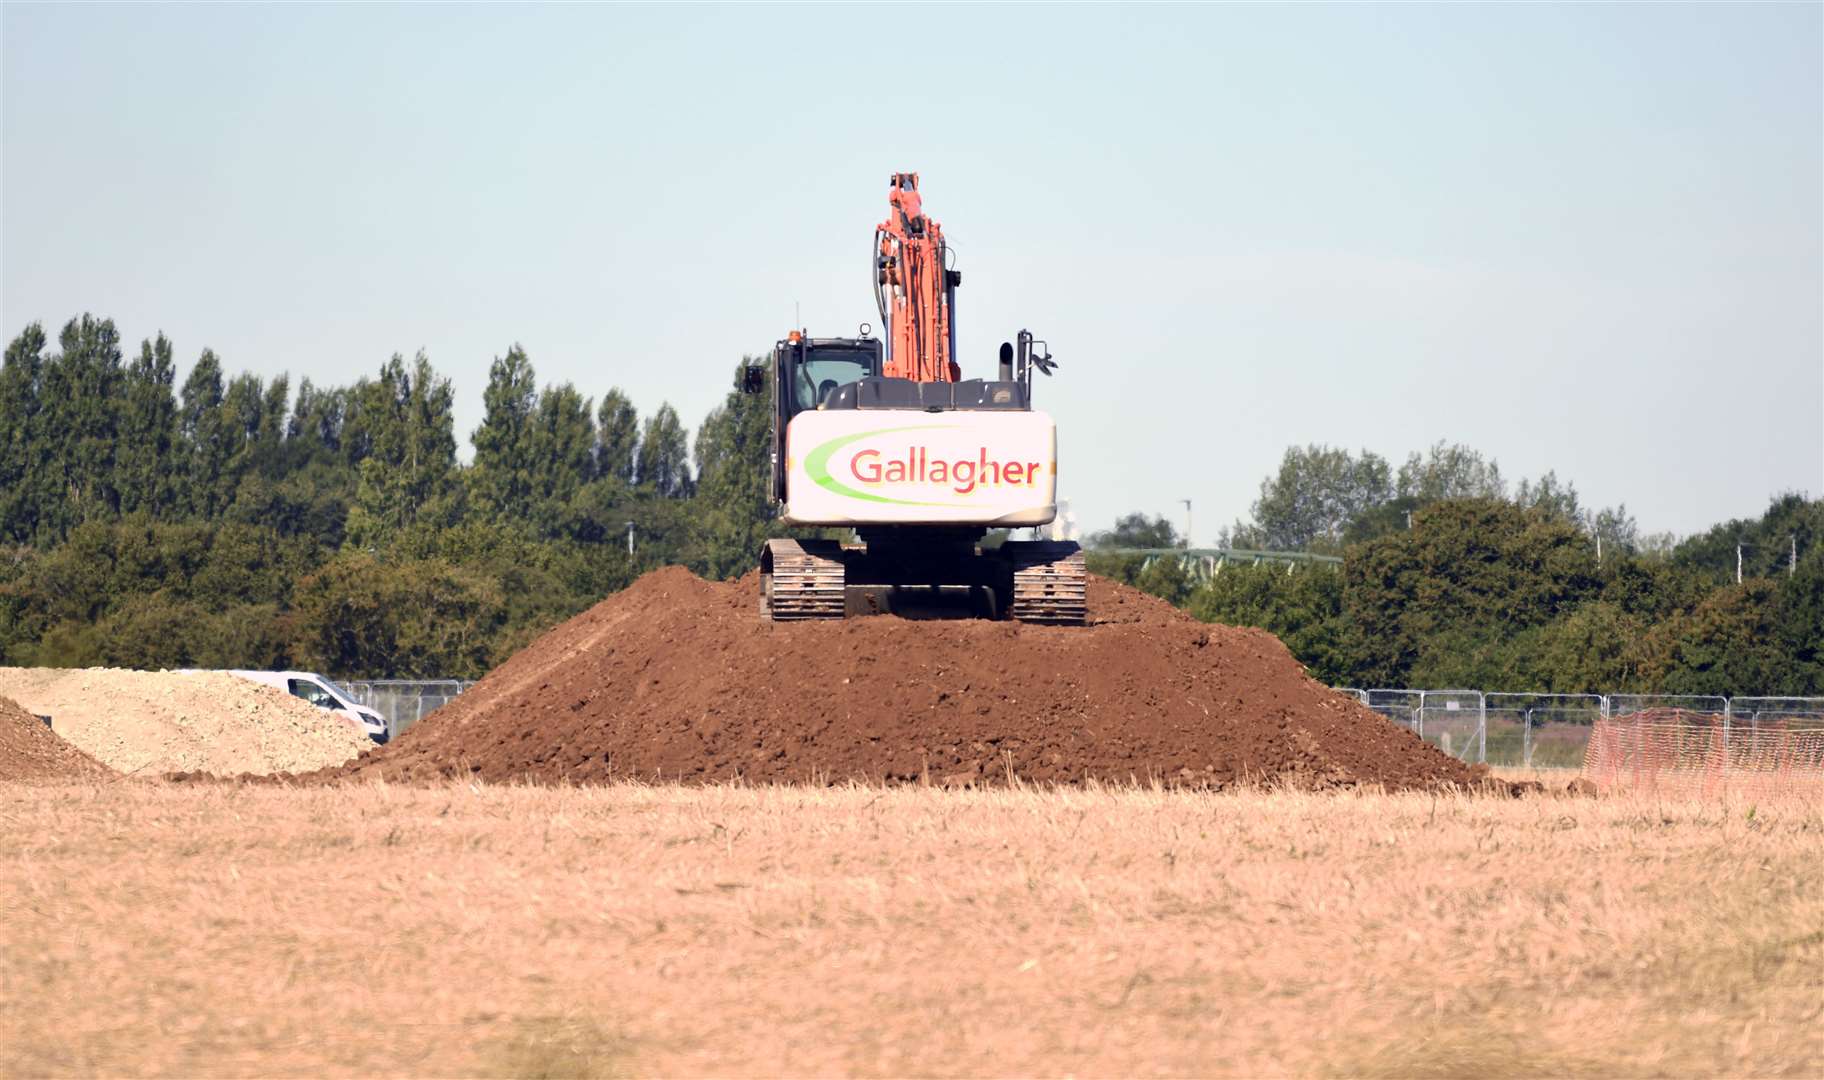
1187	524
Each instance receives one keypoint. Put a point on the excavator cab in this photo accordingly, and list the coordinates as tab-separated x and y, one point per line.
815	369
808	372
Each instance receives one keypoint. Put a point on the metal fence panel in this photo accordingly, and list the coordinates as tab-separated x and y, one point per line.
1540	731
1754	711
1453	721
1400	706
1706	705
404	702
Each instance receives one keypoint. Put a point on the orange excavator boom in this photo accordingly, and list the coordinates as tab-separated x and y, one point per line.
915	289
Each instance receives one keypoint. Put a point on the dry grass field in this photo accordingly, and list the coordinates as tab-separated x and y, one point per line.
222	930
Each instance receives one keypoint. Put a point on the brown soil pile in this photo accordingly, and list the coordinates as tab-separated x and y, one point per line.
677	678
151	722
31	751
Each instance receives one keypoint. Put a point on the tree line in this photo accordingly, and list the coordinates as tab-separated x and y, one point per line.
1450	578
232	522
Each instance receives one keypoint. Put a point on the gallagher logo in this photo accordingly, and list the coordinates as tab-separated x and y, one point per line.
873	468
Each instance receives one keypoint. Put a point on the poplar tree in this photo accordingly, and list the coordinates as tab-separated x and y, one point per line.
204	447
147	464
243	406
22	448
562	451
618	438
663	458
408	472
316	420
81	405
271	434
732	510
502	478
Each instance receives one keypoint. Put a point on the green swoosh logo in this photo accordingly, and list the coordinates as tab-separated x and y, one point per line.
817	464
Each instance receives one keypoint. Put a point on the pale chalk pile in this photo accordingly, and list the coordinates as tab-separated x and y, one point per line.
152	722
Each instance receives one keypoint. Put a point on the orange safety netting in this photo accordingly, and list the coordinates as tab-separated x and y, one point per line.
1677	750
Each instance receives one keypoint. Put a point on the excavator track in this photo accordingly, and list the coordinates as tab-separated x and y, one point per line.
1050	584
801	579
1039	582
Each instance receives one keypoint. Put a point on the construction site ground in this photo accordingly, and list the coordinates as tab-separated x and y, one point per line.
470	929
669	839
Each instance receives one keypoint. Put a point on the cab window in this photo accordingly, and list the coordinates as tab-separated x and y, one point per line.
312	693
823	370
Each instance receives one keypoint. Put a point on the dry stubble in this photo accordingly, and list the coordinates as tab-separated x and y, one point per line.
223	930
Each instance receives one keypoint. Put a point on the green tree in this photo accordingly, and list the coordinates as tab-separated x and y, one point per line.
244	636
1316	495
501	480
317	417
1389	517
1550	497
80	419
270	455
149	631
1729	644
1137	530
205	443
1799	622
733	511
1164	576
1792	522
1437	605
414	619
1651	590
408	472
1615	528
1452	471
147	467
318	486
1591	649
253	427
664	464
618	439
563	453
24	449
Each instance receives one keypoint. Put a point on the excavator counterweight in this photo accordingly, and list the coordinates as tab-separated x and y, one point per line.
886	438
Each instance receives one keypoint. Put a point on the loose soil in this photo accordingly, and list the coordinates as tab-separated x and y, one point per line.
31	751
151	722
678	679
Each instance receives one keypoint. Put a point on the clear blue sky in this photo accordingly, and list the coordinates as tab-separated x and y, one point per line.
1582	238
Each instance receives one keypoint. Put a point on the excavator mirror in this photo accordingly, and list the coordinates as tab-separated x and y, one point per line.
753	379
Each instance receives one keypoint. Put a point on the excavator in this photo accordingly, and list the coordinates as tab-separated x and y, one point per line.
887	439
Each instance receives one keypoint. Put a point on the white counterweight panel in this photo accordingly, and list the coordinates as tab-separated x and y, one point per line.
902	466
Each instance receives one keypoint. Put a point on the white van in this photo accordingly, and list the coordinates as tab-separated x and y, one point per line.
324	694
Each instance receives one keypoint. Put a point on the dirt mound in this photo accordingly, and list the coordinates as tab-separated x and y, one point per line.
677	678
150	722
30	750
